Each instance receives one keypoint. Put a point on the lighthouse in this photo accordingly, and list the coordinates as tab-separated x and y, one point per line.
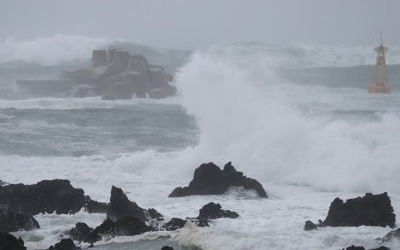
380	84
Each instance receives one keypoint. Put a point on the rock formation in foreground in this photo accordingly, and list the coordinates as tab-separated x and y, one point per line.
208	212
392	235
370	210
363	248
14	221
120	206
126	226
47	196
64	244
213	211
209	179
9	242
174	224
19	202
124	218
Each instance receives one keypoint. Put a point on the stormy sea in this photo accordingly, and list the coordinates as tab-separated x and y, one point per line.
296	117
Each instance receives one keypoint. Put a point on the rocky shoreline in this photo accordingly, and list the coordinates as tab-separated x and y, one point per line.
19	204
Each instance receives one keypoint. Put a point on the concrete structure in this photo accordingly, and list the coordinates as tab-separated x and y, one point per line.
113	74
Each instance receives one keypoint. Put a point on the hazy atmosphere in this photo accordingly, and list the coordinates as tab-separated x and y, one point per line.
189	24
200	125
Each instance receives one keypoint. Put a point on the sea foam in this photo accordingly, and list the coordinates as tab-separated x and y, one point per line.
248	116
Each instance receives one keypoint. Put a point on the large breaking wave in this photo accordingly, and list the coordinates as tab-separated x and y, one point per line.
247	115
271	129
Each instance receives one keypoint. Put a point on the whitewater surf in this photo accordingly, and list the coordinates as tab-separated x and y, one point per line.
295	117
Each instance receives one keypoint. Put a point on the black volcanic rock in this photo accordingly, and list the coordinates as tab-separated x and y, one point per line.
354	248
126	226
64	244
209	179
151	213
124	218
395	234
370	210
120	206
15	221
213	211
363	248
47	196
81	232
9	242
199	221
309	226
167	248
174	224
96	207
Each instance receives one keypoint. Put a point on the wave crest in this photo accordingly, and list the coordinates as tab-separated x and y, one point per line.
250	117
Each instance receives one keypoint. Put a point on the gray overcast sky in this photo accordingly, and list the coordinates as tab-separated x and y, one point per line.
191	24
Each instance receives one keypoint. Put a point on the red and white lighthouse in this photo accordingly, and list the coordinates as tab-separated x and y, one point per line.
380	84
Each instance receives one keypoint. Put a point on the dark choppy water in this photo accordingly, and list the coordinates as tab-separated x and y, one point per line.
115	128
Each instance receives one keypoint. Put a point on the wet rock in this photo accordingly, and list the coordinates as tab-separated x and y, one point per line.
363	248
354	248
151	213
81	232
209	179
213	211
124	218
127	226
120	206
96	207
198	221
309	226
15	221
370	210
393	235
9	242
174	224
64	244
47	196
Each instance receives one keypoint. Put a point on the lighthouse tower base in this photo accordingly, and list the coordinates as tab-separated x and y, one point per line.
376	87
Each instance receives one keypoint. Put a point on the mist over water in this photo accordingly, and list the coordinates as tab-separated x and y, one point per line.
61	48
50	50
246	103
328	138
297	118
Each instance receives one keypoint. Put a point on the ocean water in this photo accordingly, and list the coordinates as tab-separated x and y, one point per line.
296	117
